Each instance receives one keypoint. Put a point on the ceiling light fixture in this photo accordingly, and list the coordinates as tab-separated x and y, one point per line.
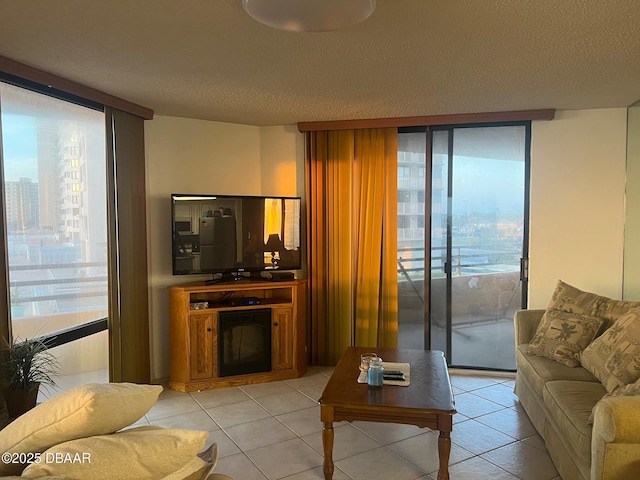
309	15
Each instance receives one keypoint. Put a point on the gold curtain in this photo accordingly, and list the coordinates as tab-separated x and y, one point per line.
352	227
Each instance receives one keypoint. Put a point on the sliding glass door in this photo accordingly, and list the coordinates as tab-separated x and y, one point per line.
476	186
412	190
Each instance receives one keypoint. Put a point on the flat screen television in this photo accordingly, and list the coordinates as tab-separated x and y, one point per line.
231	234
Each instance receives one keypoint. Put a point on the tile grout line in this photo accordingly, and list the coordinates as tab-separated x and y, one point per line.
310	387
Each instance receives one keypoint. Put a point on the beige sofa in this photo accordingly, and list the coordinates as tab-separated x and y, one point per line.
559	400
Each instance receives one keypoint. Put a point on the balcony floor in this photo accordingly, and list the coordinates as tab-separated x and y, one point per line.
489	344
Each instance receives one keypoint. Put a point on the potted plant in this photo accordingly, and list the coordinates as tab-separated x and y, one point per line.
27	365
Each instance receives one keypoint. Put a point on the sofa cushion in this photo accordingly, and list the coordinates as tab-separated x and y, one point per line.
539	370
614	357
561	336
138	453
569	404
92	409
571	299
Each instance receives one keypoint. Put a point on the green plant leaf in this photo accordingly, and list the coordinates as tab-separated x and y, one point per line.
29	362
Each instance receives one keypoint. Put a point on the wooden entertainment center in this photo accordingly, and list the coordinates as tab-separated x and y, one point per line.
195	312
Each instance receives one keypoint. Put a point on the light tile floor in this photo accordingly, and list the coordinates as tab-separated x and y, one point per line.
273	431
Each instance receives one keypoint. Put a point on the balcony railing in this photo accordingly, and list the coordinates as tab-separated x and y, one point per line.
465	260
65	304
61	287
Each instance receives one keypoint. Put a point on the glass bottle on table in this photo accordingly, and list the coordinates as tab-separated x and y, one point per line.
375	373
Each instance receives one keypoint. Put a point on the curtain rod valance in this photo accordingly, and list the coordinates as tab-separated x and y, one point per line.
53	81
452	119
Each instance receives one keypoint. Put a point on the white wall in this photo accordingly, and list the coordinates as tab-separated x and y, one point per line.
282	153
577	203
282	158
188	156
631	289
577	196
200	157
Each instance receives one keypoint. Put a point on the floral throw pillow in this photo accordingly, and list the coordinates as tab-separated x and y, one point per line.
568	298
561	336
571	299
614	357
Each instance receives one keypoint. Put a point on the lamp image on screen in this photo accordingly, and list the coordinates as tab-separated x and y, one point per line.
275	246
218	241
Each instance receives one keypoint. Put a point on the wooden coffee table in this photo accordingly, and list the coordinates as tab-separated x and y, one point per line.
426	402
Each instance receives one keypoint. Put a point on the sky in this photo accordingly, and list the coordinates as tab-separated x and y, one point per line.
19	144
487	185
480	184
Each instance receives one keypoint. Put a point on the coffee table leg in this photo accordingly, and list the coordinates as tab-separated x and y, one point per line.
327	444
444	449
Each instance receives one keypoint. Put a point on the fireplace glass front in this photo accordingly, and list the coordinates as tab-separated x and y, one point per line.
245	342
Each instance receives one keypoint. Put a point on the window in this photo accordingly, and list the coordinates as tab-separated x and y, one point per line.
57	268
404	172
404	222
281	219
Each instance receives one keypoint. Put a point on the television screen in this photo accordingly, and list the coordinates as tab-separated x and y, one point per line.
227	234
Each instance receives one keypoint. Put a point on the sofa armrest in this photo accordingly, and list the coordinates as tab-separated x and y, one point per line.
615	440
617	419
526	324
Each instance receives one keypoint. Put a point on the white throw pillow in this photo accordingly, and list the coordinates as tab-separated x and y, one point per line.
139	453
84	411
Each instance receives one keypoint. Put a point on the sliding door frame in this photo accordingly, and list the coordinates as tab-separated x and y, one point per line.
524	275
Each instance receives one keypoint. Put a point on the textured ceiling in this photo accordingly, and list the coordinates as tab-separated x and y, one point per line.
207	59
